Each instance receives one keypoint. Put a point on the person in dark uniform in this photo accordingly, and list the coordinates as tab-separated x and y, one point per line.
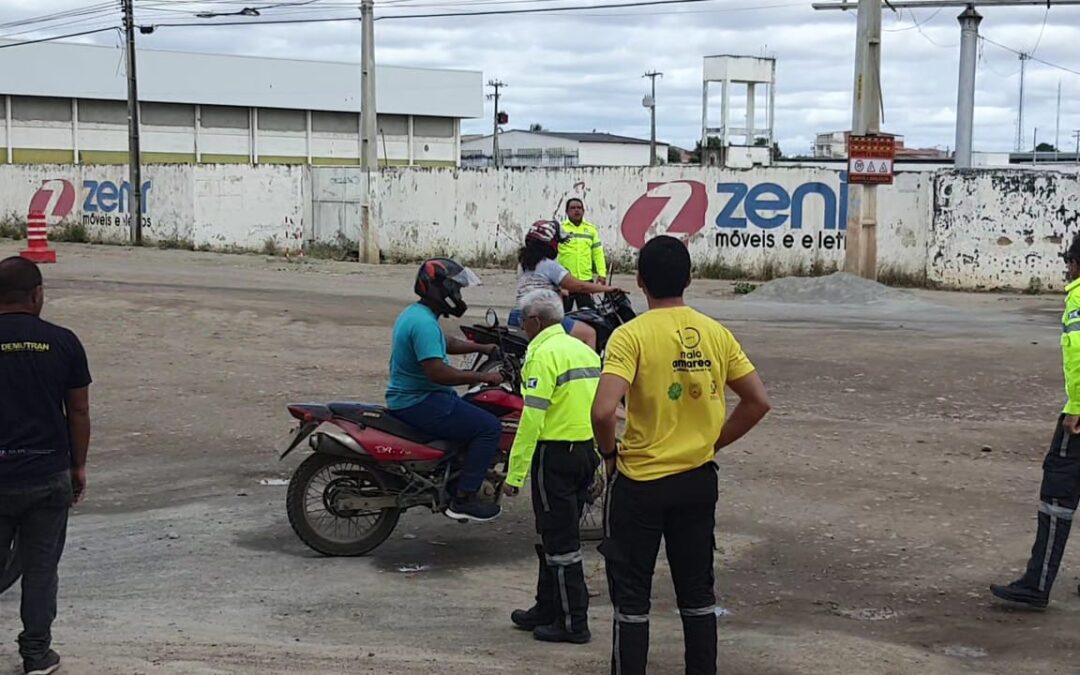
44	438
1060	490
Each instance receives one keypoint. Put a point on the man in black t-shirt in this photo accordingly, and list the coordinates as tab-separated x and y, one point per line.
44	437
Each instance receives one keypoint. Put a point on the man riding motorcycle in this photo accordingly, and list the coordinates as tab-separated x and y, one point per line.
420	392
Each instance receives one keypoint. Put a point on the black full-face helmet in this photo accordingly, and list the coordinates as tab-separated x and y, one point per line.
440	280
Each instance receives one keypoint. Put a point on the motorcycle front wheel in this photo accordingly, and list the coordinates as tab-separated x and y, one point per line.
10	565
591	524
310	504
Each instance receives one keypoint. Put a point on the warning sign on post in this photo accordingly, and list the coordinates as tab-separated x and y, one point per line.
870	159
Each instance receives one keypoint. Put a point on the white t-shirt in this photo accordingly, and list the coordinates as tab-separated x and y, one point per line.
547	275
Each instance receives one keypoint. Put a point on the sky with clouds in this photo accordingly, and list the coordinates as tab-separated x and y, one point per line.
583	70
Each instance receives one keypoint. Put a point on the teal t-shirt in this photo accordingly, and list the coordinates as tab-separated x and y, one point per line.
417	337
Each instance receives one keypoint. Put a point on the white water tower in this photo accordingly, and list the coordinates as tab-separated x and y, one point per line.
740	146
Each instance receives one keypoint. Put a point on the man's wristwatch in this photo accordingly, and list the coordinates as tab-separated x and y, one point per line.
610	455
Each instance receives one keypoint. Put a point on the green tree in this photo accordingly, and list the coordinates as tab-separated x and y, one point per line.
1045	147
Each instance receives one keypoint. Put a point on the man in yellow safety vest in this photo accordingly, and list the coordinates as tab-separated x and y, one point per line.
581	252
554	439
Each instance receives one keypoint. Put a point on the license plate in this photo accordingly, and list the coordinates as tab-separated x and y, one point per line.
288	442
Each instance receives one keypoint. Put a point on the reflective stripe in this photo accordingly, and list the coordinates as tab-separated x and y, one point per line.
565	559
1063	446
575	235
1056	511
631	618
1071	328
597	245
565	599
537	402
577	374
700	611
1049	549
539	478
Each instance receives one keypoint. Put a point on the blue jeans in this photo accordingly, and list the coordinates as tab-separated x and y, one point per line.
444	414
37	513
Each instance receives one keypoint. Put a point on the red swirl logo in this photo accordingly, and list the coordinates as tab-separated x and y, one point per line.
55	197
644	214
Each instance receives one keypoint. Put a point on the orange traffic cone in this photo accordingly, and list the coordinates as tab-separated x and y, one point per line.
37	239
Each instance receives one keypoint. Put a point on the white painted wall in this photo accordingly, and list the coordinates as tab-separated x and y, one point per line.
1003	228
216	205
982	229
465	212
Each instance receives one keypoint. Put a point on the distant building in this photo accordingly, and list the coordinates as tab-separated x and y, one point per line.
833	145
520	148
64	103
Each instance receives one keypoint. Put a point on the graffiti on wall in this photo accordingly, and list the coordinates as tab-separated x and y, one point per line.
102	203
747	216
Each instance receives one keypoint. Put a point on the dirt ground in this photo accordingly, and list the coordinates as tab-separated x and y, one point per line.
860	524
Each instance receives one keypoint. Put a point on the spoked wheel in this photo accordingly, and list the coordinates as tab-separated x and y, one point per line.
592	516
10	565
315	495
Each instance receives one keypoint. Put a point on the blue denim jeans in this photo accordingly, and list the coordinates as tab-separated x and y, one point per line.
446	415
37	512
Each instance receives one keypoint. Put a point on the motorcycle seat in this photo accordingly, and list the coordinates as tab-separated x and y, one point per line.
379	417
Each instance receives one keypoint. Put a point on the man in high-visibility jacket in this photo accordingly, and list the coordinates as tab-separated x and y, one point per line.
1060	491
554	437
581	252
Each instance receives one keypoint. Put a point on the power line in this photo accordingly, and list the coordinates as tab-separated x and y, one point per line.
492	12
59	37
1029	56
1042	30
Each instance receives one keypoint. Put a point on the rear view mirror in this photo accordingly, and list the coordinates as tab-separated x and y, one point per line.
491	318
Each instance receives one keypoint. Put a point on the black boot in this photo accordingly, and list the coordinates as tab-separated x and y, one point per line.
571	622
1033	589
543	612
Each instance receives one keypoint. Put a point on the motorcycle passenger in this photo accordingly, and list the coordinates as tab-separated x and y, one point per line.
540	270
420	392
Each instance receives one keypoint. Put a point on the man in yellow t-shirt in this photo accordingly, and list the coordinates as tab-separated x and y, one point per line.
672	364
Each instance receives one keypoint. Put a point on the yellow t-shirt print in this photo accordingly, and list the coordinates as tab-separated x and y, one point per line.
677	362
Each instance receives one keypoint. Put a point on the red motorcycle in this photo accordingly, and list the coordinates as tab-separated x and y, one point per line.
367	467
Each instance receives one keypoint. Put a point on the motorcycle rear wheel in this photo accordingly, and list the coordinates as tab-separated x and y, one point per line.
336	534
10	566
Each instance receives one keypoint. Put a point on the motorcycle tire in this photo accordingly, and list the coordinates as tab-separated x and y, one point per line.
591	523
10	566
295	507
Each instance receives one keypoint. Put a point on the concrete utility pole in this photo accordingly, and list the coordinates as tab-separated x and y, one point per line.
1057	126
496	85
1076	156
1020	115
134	155
652	114
965	96
968	35
860	255
369	137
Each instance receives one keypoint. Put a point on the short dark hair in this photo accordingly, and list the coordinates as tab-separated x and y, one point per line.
574	199
18	279
664	266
